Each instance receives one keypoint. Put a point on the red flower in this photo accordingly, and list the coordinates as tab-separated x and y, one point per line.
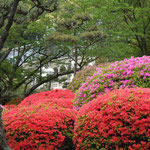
118	119
42	125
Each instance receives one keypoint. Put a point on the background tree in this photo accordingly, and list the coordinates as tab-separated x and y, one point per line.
21	12
126	24
27	60
77	32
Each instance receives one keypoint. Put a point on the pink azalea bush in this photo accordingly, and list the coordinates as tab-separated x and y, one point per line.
81	77
134	72
41	121
117	120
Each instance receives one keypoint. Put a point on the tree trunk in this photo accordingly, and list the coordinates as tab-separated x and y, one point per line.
9	23
3	142
76	60
49	85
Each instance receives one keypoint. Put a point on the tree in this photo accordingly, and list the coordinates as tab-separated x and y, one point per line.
13	12
77	32
125	22
25	66
30	52
3	142
21	12
22	32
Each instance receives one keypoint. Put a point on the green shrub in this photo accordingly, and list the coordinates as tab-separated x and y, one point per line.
82	76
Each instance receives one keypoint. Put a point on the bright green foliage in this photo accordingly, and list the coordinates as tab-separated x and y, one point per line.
126	23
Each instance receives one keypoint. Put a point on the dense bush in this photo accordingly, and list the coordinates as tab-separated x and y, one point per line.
134	72
47	123
37	128
81	77
15	101
63	98
118	119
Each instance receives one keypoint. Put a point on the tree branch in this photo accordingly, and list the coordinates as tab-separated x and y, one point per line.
4	56
39	5
34	71
9	24
52	77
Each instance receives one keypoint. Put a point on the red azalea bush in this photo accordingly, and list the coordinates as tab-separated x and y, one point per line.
9	106
119	119
14	101
40	126
57	97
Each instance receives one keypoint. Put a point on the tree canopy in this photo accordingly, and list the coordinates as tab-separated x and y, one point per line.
126	22
17	12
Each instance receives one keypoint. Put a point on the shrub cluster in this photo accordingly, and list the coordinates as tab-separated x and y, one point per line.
62	98
134	72
44	124
14	101
118	119
81	77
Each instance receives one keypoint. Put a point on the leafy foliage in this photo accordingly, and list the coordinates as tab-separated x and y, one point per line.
77	31
125	23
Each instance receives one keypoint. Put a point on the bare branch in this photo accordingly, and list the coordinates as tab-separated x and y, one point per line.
4	56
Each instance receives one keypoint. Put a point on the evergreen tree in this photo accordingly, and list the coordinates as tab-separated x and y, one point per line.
77	32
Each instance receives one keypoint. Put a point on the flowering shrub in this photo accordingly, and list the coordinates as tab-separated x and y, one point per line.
15	101
118	119
81	77
134	72
40	126
9	106
57	97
